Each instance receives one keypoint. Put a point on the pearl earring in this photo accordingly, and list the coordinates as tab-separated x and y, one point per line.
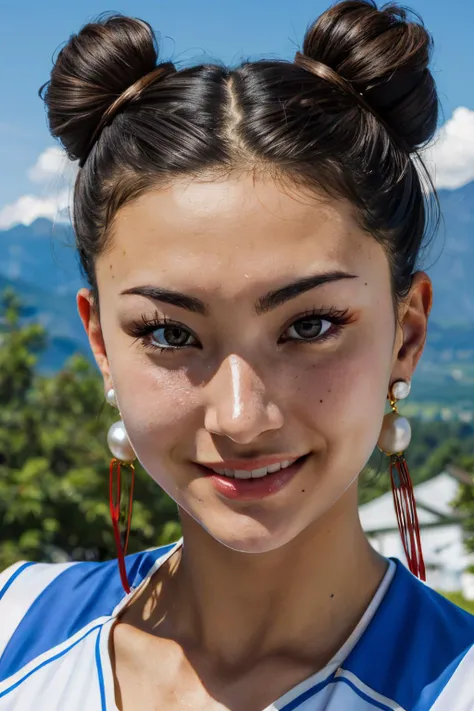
123	455
395	435
110	397
117	437
394	439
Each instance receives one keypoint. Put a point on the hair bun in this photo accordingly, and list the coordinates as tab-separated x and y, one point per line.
384	56
91	71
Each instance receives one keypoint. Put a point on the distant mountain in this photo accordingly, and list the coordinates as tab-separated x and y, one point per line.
43	255
453	270
40	261
66	334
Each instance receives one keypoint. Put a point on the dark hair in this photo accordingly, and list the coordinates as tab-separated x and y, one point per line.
347	116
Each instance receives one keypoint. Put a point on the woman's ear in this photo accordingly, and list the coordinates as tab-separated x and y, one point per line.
412	323
89	314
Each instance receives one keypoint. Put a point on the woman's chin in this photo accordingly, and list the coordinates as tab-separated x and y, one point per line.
252	536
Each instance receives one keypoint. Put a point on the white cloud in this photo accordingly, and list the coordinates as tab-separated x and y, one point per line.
28	208
56	174
450	158
50	164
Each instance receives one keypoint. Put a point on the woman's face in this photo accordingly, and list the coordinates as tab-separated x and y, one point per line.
229	349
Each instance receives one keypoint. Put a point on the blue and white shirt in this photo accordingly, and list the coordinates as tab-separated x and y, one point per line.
412	650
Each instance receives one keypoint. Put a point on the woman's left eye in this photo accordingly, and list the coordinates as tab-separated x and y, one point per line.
308	328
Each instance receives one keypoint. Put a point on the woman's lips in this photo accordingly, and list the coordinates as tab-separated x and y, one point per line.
254	488
251	464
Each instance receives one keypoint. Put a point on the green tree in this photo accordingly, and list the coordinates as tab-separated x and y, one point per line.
54	458
464	503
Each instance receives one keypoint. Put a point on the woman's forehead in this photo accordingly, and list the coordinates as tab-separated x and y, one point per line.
235	240
219	220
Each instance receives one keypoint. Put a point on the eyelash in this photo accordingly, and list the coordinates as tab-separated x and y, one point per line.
143	329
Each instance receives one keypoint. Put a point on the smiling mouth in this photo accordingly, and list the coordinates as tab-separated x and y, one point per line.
259	472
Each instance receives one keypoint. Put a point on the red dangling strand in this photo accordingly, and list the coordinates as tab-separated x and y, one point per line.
407	516
115	500
123	455
394	438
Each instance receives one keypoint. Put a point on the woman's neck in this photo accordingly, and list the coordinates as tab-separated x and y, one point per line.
301	601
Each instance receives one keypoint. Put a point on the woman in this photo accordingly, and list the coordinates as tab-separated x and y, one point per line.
250	237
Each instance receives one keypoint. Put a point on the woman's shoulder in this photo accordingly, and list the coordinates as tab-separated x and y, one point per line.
442	649
426	640
441	619
44	604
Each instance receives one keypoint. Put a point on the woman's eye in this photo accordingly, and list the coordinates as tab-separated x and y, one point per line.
308	328
172	336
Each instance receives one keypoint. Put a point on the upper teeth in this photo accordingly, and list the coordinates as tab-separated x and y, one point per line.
255	473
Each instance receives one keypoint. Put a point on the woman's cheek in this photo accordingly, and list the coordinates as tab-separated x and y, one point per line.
344	397
156	411
363	399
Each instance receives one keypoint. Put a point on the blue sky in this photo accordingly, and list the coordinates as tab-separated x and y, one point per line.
31	31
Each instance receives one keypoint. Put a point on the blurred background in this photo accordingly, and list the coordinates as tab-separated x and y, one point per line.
53	423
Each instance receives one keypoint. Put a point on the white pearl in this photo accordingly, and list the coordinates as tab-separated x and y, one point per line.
110	397
119	444
401	389
395	434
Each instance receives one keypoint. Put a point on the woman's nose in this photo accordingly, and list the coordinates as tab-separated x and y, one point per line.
238	406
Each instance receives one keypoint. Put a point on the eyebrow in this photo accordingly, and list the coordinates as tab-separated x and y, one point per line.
263	305
277	297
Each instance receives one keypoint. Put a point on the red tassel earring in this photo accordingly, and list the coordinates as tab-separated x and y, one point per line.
123	455
394	438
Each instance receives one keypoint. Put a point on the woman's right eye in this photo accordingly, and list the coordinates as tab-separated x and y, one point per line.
161	334
171	336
